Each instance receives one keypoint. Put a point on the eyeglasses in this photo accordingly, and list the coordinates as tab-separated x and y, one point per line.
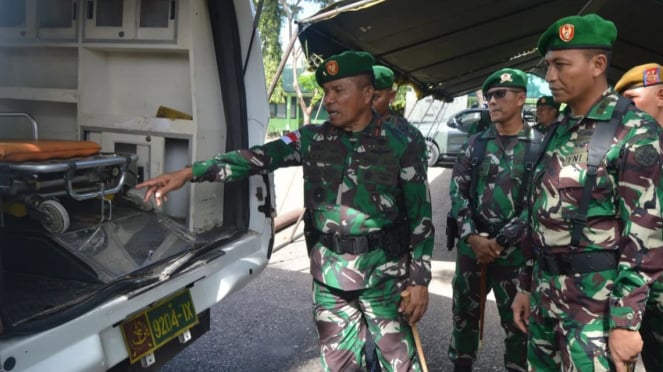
498	94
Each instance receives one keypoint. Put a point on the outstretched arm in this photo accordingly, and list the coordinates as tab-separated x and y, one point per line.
161	185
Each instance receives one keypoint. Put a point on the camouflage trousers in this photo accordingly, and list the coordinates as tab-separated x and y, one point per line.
569	323
343	317
651	329
501	279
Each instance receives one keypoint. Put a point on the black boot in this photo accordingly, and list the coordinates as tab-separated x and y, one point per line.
463	365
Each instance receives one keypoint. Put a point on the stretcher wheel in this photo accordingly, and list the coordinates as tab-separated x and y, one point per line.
55	218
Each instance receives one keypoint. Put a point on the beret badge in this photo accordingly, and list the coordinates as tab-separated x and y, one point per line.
652	76
566	32
331	67
505	77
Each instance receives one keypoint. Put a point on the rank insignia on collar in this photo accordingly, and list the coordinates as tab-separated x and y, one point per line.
566	32
505	77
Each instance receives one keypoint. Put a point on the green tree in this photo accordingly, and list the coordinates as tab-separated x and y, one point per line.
293	9
271	22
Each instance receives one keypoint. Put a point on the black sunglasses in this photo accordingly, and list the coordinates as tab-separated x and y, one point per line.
500	93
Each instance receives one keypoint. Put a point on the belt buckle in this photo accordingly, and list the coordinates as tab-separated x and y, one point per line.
342	242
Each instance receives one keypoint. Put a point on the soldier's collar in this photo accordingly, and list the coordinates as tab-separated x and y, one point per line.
374	127
602	110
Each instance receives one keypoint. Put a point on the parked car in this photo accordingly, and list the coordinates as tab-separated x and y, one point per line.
444	139
445	135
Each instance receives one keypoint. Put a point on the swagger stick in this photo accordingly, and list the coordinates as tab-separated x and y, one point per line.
482	301
405	297
482	293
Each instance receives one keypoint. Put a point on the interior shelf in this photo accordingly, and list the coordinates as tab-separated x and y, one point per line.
40	94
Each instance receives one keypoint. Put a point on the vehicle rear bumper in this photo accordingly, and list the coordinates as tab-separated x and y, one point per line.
94	342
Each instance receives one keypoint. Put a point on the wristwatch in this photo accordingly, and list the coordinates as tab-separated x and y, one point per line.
502	240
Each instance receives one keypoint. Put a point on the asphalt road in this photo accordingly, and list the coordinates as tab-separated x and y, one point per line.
268	326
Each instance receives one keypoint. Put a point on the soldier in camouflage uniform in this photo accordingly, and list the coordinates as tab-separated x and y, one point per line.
382	98
582	304
495	207
644	85
362	256
547	111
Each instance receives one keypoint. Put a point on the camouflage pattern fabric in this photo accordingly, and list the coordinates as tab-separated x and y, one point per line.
498	203
412	131
497	190
343	319
465	306
651	329
573	314
351	184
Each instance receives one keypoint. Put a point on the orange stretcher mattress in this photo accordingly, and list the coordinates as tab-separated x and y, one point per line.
16	151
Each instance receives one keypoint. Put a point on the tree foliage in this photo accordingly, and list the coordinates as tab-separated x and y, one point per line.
271	22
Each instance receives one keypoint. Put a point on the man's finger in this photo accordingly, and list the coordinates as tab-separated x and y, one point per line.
620	366
519	322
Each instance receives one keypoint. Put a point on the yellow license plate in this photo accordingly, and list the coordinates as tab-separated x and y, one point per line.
153	327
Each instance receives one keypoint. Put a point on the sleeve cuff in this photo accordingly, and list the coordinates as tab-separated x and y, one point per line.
420	272
625	317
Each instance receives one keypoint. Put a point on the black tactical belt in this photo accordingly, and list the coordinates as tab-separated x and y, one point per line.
491	228
578	263
352	244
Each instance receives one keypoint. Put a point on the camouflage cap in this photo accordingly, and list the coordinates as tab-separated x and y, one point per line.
640	76
506	77
384	77
346	64
590	31
547	101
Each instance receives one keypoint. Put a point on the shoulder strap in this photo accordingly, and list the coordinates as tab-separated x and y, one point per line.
534	148
599	145
477	154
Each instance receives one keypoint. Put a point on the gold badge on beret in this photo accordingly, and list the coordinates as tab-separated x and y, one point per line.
331	67
542	100
505	77
566	32
651	76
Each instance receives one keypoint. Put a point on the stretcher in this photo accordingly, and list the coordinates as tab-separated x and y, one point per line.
36	174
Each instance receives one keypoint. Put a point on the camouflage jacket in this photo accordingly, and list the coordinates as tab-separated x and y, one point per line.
352	184
624	212
412	131
499	200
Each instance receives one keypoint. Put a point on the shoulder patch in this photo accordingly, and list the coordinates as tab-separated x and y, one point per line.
646	155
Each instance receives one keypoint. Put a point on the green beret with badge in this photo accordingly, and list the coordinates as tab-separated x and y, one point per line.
346	64
506	77
590	31
640	76
547	101
384	77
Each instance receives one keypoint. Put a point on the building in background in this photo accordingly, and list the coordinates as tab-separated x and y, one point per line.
286	117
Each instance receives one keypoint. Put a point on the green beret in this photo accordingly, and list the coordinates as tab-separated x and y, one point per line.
590	31
344	65
547	101
640	76
384	77
506	77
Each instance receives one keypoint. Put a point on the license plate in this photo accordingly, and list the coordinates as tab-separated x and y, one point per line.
153	327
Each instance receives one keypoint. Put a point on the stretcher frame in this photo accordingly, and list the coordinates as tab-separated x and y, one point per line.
39	184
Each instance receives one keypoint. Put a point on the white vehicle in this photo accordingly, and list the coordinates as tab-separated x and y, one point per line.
92	279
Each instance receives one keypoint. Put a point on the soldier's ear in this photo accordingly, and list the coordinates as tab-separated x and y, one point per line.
369	93
599	64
